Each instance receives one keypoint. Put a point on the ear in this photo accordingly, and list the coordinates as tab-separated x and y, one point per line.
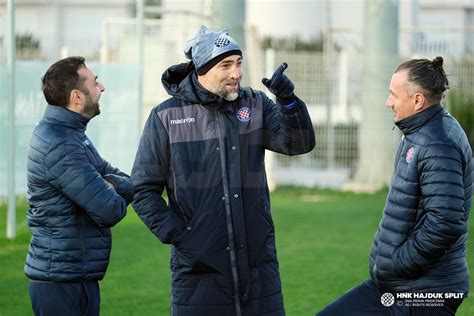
420	101
76	99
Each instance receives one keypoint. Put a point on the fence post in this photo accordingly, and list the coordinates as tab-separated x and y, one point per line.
269	155
11	52
141	59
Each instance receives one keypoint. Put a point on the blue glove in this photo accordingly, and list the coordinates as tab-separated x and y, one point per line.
281	86
123	186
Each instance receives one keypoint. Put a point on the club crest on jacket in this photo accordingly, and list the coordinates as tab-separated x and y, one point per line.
244	114
410	154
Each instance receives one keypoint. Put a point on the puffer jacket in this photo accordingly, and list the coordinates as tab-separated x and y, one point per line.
72	207
209	155
420	245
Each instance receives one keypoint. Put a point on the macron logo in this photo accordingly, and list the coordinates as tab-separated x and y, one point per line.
183	121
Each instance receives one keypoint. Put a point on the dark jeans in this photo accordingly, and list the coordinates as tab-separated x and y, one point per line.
71	299
366	300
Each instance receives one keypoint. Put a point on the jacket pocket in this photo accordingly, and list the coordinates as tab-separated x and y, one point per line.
187	263
192	251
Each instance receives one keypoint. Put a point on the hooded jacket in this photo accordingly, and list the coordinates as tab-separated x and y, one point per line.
209	155
72	206
420	245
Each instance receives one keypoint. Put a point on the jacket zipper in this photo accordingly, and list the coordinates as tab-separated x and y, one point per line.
230	228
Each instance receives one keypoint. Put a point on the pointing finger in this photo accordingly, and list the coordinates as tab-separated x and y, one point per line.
280	69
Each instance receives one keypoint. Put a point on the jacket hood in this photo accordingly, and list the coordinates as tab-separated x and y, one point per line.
180	81
63	116
414	122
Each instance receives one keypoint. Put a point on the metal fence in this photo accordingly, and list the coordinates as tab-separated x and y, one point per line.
334	101
330	84
323	83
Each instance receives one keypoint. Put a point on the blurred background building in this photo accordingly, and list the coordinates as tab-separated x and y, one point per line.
341	54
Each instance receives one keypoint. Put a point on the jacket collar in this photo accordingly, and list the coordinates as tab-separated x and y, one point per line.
416	121
181	81
63	116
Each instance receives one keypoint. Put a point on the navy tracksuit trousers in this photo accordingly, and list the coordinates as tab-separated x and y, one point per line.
68	299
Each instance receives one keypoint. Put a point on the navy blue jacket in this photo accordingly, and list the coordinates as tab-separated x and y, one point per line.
209	155
420	245
72	206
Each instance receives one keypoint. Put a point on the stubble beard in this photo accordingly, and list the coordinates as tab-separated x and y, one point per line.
229	95
91	108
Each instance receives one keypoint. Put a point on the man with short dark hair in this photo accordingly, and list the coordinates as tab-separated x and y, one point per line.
419	250
206	146
75	196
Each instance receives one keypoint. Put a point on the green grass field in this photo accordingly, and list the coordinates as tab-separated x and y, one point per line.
323	240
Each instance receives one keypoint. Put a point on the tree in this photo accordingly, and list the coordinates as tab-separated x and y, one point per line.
293	43
27	46
151	9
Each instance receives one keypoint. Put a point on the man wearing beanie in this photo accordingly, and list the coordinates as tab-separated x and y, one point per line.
205	145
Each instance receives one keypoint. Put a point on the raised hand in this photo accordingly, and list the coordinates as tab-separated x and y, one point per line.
281	86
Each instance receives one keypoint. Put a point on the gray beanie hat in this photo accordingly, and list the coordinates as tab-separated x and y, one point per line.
208	48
